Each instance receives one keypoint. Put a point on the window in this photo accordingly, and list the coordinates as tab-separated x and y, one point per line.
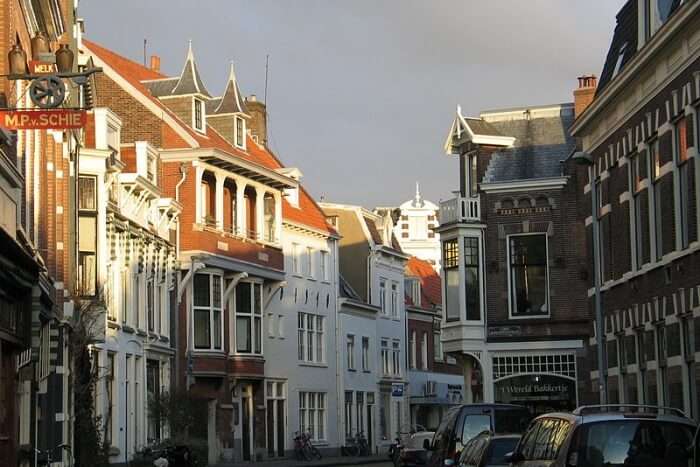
111	388
412	355
472	176
365	354
620	59
382	296
472	285
412	287
311	348
655	159
350	350
348	414
153	392
450	264
396	359
312	414
87	237
198	115
150	312
684	179
296	267
310	263
249	318
385	357
325	265
394	300
136	301
424	351
124	276
240	132
437	347
360	404
208	332
638	173
529	294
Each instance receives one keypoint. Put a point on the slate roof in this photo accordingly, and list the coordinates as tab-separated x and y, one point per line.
138	76
161	87
481	127
230	102
346	290
625	33
540	145
374	233
431	291
189	81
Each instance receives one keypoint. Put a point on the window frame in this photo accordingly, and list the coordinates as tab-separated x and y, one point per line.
511	305
88	213
240	130
350	352
255	315
198	123
312	404
311	339
365	354
211	309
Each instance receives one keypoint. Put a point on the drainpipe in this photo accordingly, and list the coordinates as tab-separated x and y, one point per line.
183	172
175	324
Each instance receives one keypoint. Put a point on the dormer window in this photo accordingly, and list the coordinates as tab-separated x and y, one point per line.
198	120
620	58
656	13
240	132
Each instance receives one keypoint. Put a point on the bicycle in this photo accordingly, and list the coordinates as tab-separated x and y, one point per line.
49	454
303	448
357	445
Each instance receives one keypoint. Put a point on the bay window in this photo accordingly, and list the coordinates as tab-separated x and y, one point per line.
207	300
249	318
87	238
528	279
450	264
472	285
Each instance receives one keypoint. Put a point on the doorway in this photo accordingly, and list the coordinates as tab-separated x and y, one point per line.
275	395
247	433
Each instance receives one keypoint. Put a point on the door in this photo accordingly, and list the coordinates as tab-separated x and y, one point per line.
276	418
370	425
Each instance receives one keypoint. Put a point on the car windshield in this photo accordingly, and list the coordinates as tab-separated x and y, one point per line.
498	449
634	443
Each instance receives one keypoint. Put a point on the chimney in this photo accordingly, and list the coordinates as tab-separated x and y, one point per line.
155	63
584	95
258	119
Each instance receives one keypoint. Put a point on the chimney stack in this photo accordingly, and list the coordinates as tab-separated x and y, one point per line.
155	63
584	95
258	119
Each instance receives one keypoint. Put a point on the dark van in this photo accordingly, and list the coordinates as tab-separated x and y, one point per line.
463	423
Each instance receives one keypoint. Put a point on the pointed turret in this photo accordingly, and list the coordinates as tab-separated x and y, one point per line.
231	101
190	82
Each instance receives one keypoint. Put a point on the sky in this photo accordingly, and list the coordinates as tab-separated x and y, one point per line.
361	93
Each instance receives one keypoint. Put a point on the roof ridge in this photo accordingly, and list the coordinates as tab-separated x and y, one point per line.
93	44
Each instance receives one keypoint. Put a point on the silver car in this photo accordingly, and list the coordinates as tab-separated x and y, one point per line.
609	435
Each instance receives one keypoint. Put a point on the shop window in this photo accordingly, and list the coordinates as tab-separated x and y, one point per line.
207	299
249	318
529	288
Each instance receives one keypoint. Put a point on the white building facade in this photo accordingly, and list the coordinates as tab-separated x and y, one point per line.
415	229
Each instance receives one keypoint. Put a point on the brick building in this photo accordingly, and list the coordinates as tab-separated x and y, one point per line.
39	235
640	133
434	380
513	255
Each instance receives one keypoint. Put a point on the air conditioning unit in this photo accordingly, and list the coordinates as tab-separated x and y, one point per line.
430	388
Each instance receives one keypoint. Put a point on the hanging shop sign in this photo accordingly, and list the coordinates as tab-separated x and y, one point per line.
58	119
38	67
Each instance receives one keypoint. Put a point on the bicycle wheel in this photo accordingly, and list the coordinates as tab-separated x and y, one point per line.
315	452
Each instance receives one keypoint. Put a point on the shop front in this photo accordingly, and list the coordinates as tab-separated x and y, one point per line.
541	393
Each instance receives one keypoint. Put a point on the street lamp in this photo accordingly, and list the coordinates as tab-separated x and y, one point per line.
583	158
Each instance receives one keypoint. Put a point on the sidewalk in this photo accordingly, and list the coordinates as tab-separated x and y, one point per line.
325	462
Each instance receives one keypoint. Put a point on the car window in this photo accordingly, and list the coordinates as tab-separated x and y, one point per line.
511	420
527	445
472	452
634	442
497	450
475	424
443	434
465	456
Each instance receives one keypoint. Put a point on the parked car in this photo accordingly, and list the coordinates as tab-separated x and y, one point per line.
412	450
488	450
608	435
463	423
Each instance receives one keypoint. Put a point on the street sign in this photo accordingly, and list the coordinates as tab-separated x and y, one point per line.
397	390
38	67
59	119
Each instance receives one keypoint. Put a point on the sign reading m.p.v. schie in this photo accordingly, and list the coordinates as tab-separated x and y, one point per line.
58	119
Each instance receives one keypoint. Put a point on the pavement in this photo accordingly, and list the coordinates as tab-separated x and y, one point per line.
375	461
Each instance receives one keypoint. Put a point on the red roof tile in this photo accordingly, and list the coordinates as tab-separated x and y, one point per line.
308	213
431	290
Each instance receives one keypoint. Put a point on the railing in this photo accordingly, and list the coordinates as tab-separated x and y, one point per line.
460	209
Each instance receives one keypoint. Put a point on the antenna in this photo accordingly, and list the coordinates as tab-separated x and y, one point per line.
144	51
267	67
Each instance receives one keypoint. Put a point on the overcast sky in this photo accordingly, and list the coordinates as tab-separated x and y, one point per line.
361	93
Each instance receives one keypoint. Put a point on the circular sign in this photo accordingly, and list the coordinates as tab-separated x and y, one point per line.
47	92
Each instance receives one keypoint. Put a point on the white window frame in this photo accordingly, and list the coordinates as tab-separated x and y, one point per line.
350	350
385	356
394	299
438	355
313	412
314	334
239	133
396	358
296	265
510	285
365	354
310	273
382	296
253	317
424	350
196	101
412	344
325	265
212	309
